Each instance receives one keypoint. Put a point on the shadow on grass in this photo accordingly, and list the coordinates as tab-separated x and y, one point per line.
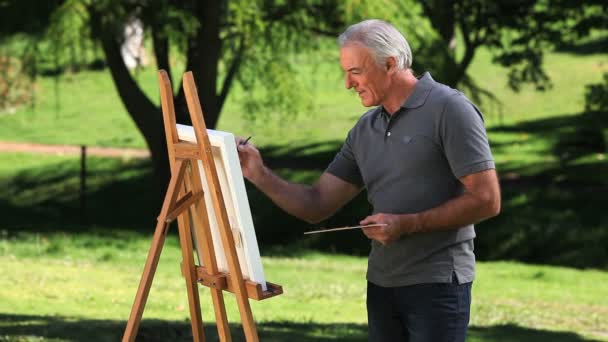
589	47
571	136
47	198
315	156
515	333
552	213
20	327
120	196
120	193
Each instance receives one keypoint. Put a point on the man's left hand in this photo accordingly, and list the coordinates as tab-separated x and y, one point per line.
396	226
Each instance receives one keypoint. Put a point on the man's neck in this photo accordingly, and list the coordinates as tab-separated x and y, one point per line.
401	89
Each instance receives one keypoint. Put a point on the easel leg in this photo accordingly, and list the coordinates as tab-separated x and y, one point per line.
206	246
202	232
153	255
189	273
145	282
223	329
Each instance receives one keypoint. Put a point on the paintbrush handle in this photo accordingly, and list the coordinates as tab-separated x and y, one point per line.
345	228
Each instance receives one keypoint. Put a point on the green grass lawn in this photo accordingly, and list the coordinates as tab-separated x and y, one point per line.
61	287
64	280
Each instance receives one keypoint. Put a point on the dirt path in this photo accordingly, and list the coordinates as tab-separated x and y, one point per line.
6	146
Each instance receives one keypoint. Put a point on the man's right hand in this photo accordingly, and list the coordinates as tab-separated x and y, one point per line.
252	164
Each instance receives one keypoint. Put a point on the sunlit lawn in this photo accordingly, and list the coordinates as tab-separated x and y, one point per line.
93	277
59	277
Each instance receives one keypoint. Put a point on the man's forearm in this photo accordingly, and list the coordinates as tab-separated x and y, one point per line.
479	201
296	199
458	212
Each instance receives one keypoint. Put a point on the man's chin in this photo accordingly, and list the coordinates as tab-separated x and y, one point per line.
367	103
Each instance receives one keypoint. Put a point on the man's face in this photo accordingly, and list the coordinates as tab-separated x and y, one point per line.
362	73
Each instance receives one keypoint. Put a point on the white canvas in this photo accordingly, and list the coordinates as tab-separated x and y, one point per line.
231	181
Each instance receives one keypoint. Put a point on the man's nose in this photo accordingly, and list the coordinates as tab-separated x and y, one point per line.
348	82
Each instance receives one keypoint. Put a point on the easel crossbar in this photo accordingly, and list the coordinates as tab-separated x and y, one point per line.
186	150
183	204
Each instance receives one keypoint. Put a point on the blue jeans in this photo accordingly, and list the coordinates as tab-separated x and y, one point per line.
419	313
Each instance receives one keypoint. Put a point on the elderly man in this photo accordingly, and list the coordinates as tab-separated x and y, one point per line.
423	155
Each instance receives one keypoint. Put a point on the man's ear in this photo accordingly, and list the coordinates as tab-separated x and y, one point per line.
391	64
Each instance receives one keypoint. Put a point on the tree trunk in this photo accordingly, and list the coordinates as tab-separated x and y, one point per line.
203	54
442	16
146	115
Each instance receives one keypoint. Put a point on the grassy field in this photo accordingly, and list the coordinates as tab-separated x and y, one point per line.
69	274
64	287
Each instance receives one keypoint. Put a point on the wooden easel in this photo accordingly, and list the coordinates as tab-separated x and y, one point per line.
184	200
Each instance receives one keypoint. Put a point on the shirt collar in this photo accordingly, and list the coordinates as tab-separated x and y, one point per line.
421	92
418	96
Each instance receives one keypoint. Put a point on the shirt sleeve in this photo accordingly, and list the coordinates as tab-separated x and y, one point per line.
344	165
464	137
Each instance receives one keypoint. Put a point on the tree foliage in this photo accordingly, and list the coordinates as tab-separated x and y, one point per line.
517	32
26	19
15	90
25	16
596	96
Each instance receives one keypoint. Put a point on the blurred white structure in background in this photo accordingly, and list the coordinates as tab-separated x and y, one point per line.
132	49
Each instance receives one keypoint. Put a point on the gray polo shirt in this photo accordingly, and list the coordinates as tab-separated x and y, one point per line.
409	162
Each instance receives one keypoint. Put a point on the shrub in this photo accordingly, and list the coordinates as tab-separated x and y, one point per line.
15	85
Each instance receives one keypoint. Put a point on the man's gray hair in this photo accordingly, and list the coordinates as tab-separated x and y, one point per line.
383	40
